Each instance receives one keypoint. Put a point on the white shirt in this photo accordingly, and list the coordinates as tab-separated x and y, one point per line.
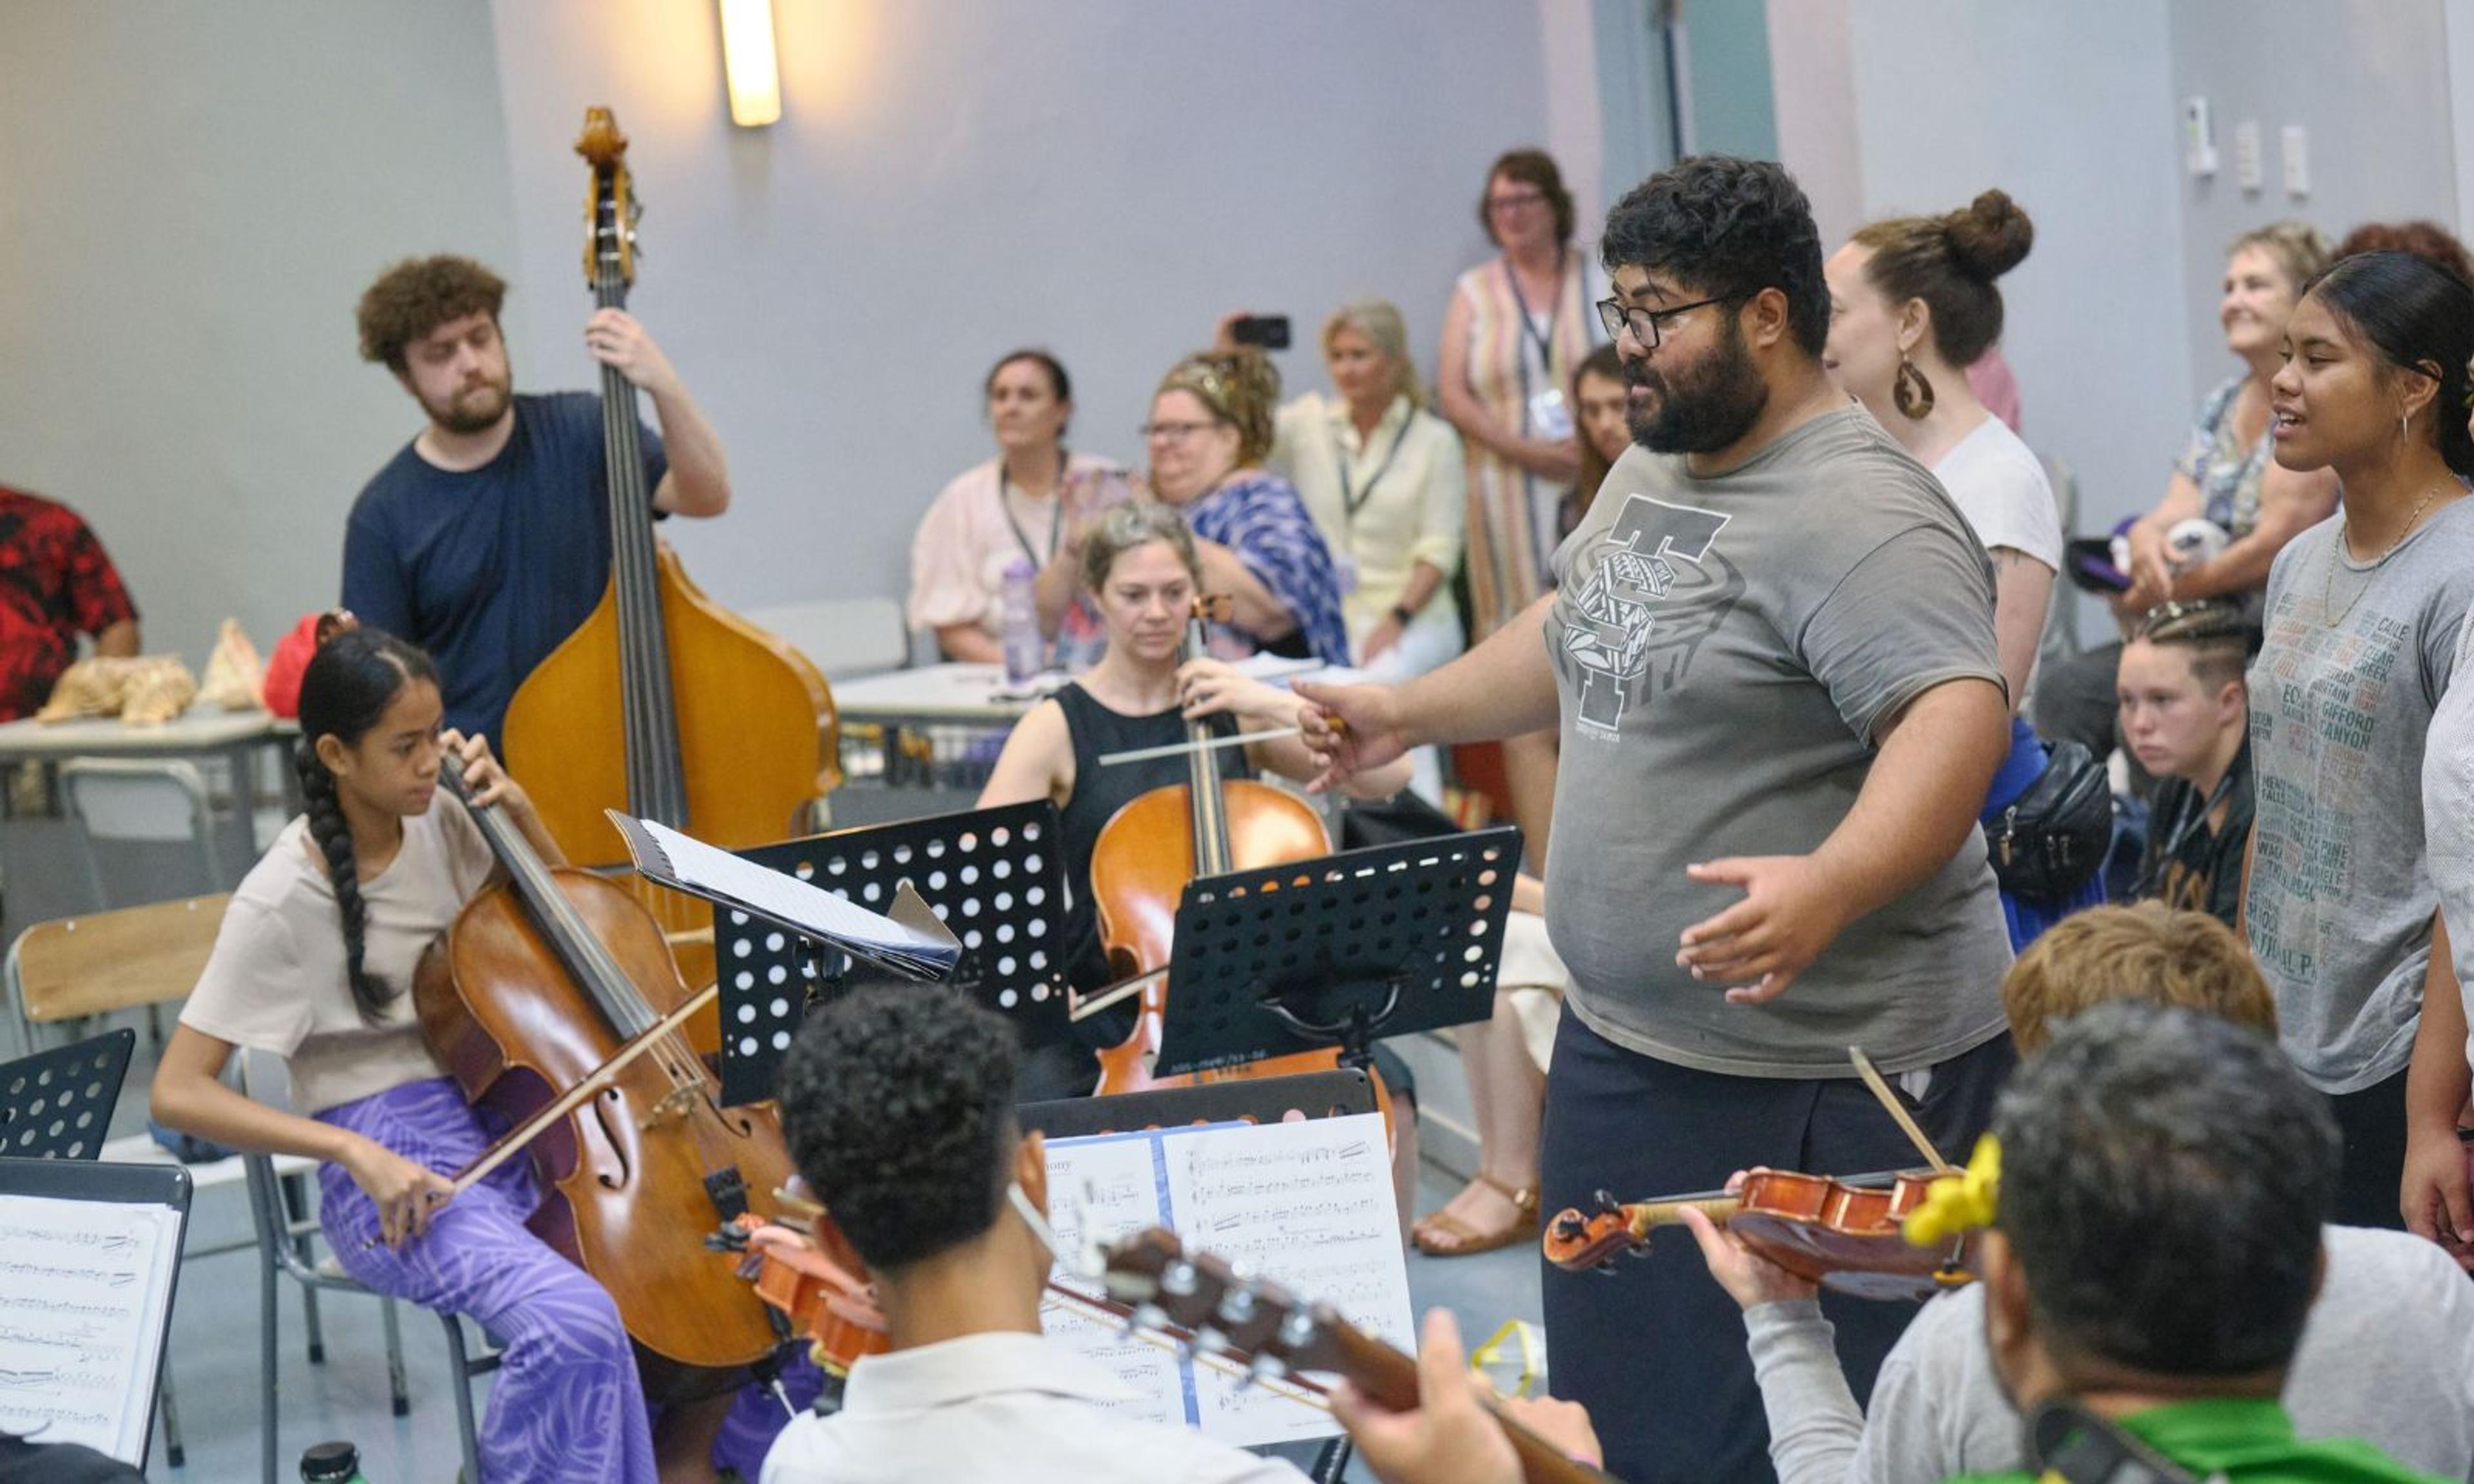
1019	1407
2000	486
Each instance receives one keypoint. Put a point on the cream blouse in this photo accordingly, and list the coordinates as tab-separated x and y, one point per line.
1410	509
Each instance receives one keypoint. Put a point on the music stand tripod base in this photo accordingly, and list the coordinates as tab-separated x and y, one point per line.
1338	952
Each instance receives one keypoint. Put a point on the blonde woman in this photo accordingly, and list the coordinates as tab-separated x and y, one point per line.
1385	481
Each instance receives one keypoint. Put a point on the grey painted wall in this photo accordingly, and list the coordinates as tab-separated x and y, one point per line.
192	195
2367	79
948	182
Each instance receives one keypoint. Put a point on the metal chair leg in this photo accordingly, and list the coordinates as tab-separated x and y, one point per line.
399	1397
174	1454
459	1365
295	1190
269	1362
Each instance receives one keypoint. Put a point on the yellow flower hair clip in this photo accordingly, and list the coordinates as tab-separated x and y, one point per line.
1960	1202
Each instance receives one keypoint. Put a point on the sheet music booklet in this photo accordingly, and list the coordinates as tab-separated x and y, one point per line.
909	940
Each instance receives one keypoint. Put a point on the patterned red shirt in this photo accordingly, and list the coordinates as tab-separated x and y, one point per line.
56	583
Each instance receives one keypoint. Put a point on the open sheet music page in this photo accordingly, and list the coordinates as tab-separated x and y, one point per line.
1308	1205
710	871
85	1292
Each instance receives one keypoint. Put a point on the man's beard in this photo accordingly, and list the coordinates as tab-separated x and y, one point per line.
473	409
1713	401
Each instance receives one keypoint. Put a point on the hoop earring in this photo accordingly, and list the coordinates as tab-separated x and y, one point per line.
1912	393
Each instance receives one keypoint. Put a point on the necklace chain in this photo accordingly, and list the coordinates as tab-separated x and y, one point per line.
2337	558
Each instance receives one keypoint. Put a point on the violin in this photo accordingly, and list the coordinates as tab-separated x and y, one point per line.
819	1300
554	1001
1277	1338
1148	851
1841	1233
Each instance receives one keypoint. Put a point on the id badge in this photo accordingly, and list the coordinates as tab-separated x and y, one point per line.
1548	417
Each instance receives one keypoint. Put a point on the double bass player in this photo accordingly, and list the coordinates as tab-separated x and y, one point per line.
485	540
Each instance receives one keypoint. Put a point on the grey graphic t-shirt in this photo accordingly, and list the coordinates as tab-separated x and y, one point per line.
1725	650
2340	898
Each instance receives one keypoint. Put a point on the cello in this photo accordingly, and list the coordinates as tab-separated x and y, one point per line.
1148	851
664	702
556	988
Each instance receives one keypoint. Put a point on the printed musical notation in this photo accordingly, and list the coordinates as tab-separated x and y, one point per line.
1307	1205
85	1292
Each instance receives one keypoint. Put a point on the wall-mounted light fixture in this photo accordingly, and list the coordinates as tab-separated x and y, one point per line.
748	63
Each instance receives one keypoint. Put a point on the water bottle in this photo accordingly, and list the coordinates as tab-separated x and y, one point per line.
1024	656
332	1463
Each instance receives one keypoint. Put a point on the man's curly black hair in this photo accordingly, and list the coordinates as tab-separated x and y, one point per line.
1726	229
898	1105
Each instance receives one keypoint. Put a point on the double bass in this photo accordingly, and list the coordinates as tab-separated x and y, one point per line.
664	702
1148	851
556	991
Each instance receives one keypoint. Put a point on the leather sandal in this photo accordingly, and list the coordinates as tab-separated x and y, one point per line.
1466	1240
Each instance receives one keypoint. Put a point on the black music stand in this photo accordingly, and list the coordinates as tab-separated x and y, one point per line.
996	878
1330	1095
1338	952
57	1104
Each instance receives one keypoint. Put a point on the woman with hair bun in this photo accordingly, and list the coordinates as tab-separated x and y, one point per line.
1209	435
2363	618
1912	304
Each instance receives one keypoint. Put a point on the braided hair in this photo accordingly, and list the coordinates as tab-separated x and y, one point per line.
347	688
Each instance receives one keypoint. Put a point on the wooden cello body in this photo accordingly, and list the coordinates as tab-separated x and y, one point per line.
1148	851
540	983
664	702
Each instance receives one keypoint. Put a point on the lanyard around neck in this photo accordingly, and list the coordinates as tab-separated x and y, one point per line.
1056	516
1545	342
1351	499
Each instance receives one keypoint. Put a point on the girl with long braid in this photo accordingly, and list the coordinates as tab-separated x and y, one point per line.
314	964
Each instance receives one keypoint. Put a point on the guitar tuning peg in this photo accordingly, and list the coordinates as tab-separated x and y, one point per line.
1606	1203
1263	1367
1180	1279
1142	1316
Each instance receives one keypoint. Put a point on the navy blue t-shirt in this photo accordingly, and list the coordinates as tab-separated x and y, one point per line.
489	569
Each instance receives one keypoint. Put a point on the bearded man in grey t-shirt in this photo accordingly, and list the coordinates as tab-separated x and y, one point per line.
1773	662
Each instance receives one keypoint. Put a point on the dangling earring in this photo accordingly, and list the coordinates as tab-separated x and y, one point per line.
1914	394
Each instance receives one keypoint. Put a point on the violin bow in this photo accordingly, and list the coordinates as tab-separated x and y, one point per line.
1897	1111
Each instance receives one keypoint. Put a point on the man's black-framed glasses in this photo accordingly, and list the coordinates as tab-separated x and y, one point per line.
1644	322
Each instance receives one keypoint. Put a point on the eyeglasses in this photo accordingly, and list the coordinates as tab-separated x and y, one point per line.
1644	322
1171	432
1518	199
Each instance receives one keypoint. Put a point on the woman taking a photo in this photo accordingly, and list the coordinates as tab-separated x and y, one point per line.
2362	617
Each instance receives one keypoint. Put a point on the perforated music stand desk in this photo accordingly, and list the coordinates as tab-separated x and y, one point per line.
57	1104
1338	952
995	877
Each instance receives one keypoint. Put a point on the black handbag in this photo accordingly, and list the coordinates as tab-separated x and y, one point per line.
2052	839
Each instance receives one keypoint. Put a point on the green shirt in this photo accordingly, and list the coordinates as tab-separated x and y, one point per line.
2248	1441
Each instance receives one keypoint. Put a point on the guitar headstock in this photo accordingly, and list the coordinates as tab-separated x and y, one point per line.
610	208
1575	1240
1254	1321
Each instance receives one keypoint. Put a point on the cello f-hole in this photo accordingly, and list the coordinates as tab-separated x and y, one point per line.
613	1174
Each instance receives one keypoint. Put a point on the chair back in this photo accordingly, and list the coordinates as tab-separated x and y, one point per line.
144	829
842	637
108	961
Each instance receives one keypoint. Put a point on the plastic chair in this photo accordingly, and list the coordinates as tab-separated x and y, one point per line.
287	1226
843	638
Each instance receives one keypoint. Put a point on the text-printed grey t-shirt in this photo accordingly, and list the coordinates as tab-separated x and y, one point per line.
2339	905
2449	812
1725	648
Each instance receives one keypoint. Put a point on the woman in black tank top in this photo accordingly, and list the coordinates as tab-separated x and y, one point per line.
1140	568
